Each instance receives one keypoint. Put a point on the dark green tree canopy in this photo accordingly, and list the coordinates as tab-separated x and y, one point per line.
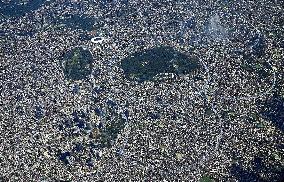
146	65
77	64
19	8
76	21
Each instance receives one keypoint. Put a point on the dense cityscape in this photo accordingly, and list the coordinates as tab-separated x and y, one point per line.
150	90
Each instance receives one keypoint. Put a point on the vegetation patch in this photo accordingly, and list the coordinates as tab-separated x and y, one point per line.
112	124
77	64
75	21
260	171
18	8
273	110
146	65
206	179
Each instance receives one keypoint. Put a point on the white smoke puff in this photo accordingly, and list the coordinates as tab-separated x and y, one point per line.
215	28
